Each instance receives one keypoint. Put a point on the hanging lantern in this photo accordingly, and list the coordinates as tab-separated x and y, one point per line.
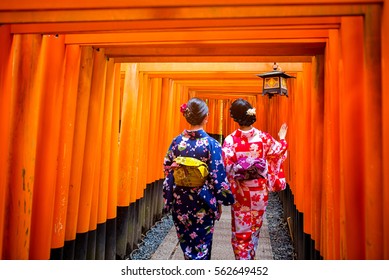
274	82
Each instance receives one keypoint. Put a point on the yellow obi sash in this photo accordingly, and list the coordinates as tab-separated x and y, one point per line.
190	172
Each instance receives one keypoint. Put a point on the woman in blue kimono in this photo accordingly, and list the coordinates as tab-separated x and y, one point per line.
195	184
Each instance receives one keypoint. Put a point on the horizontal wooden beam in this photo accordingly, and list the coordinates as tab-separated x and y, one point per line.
204	76
143	25
219	59
226	95
196	68
281	50
104	4
9	16
222	81
244	49
226	89
190	36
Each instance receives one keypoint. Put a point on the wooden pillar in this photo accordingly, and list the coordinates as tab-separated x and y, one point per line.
331	175
162	118
385	124
128	130
181	96
65	147
305	145
291	120
296	142
316	138
5	123
154	169
141	148
126	192
83	96
352	129
372	136
25	93
212	124
226	117
107	129
262	109
164	128
284	110
51	61
110	252
86	220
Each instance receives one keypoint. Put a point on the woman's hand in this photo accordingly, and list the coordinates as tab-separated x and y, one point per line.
283	130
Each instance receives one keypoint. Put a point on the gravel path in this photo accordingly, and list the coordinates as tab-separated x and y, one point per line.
278	230
152	239
280	240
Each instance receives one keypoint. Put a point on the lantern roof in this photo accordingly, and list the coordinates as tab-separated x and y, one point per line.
274	74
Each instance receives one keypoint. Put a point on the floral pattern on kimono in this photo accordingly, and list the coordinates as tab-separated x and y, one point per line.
251	196
195	209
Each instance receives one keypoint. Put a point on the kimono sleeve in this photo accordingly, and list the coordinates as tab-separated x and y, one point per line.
218	177
168	183
276	155
229	159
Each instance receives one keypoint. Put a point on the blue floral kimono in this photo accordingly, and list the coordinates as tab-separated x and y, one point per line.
195	209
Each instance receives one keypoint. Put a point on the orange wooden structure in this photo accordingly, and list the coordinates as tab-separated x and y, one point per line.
89	102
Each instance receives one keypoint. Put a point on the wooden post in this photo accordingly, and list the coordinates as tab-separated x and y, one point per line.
5	123
385	124
26	95
128	130
65	147
126	192
110	252
331	175
107	131
51	79
316	138
83	96
372	136
352	130
92	153
154	161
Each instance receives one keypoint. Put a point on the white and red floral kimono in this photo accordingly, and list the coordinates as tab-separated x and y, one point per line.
251	195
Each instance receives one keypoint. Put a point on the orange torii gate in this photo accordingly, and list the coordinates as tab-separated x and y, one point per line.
89	92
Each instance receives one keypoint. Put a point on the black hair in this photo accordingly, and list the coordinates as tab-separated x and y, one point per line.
196	111
238	111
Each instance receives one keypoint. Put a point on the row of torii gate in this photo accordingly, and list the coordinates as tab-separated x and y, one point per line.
89	98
